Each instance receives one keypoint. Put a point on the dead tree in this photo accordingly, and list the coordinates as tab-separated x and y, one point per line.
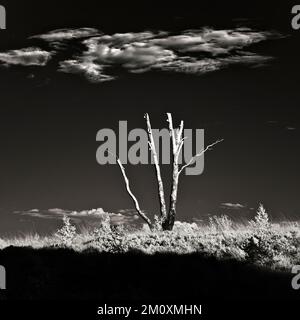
177	144
176	134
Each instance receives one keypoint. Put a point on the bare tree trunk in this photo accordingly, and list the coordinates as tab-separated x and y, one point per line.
177	144
169	222
161	193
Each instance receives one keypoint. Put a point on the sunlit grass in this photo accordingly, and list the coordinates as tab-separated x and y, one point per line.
273	245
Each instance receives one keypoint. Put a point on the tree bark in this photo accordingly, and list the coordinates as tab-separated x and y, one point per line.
177	144
161	193
168	224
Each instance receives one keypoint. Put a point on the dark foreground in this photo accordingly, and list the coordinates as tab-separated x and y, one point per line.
60	274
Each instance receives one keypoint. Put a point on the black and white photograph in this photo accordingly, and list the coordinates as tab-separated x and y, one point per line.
149	163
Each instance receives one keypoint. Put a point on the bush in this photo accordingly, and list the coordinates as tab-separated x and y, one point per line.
66	235
109	238
261	223
220	224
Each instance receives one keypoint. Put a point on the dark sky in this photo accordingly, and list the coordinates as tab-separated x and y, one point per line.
49	120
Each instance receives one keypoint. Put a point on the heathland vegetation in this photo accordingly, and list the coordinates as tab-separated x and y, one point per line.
258	242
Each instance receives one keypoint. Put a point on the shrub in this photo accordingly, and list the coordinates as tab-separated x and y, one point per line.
220	224
66	235
109	238
261	247
261	223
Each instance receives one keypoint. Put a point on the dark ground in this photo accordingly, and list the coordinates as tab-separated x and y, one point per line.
64	274
60	274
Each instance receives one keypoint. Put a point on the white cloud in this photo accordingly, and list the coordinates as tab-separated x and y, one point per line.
190	65
25	57
99	56
124	38
229	205
67	34
211	41
248	58
92	216
141	52
99	212
91	70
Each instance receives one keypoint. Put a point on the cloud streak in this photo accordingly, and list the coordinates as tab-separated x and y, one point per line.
25	57
235	206
126	217
66	34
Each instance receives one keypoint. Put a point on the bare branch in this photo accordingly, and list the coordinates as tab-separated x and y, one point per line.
209	147
161	192
172	131
181	145
136	203
179	132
